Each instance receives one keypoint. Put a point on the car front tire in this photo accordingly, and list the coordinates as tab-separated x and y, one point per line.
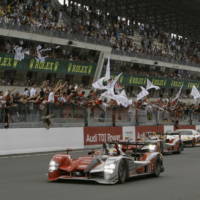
193	143
157	170
122	172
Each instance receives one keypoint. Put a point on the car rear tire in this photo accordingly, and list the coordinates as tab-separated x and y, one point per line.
122	172
179	149
193	143
182	147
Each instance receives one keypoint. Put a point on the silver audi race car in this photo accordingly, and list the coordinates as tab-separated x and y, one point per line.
114	163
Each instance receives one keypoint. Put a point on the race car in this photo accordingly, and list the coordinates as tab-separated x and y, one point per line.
166	143
114	163
189	136
173	143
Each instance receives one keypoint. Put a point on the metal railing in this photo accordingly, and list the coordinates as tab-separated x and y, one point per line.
32	115
155	57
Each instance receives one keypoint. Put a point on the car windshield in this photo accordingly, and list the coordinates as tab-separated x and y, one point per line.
186	132
173	133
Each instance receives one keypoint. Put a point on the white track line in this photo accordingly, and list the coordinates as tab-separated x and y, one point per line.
34	155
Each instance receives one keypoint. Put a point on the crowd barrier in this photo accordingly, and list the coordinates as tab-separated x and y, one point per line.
30	114
33	140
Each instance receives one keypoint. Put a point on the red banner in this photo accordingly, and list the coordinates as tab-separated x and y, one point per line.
186	127
99	135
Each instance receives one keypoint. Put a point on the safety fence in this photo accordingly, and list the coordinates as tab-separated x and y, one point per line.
54	33
161	58
61	115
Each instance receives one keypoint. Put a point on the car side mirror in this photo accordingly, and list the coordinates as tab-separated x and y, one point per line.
91	152
68	150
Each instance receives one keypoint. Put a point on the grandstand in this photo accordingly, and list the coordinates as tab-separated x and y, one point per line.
51	53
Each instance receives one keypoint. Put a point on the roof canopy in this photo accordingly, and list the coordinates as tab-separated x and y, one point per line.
175	16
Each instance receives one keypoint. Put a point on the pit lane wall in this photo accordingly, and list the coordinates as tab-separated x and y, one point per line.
33	140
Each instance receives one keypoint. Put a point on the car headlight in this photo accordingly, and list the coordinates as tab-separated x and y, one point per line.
53	165
109	168
152	147
187	138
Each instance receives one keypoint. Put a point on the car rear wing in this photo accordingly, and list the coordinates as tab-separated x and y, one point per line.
132	143
173	133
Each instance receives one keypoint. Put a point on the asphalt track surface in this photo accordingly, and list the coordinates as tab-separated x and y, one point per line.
24	178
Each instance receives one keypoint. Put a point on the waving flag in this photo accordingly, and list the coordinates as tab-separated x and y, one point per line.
142	94
178	94
194	92
39	50
150	85
107	75
100	83
122	99
110	88
19	53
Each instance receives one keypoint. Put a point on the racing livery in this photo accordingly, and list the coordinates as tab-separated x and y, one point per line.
114	163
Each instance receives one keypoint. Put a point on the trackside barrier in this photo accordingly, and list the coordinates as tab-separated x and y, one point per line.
33	140
98	135
94	136
26	140
141	130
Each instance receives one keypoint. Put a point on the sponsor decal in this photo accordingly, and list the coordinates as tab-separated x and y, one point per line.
99	135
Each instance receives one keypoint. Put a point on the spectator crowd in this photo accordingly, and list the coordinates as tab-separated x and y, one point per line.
8	45
152	71
66	101
120	33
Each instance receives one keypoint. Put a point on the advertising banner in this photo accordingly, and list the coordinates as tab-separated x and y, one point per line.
141	130
134	80
50	65
186	127
7	61
197	127
168	128
129	133
99	135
